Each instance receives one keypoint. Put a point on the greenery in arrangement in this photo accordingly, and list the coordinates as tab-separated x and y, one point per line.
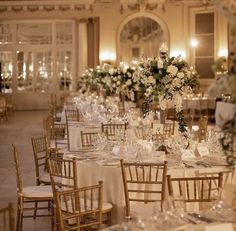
229	129
163	80
228	140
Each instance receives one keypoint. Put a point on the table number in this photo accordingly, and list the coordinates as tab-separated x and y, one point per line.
116	150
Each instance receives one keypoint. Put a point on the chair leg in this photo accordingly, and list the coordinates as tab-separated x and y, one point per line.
18	219
35	209
109	218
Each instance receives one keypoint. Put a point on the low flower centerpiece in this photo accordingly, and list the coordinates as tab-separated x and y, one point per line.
164	80
111	81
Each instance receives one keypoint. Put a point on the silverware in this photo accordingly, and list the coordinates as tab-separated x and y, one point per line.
188	165
201	217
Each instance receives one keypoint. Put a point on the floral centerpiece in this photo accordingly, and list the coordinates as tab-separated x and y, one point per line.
119	81
166	80
113	81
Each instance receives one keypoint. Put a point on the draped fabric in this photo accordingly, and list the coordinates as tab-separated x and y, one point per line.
93	41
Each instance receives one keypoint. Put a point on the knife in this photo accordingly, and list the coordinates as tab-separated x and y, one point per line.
202	218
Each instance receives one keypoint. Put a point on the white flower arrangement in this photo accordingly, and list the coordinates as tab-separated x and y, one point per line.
166	80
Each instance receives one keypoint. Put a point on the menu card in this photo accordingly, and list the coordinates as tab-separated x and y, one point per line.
187	154
202	149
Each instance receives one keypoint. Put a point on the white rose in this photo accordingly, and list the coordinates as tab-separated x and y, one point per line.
163	104
160	63
151	80
178	102
132	96
172	70
176	82
180	75
129	82
118	83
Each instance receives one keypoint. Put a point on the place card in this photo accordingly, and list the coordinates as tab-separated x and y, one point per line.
160	155
116	150
202	150
187	154
220	227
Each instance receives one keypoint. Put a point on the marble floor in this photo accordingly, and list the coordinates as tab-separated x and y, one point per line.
19	129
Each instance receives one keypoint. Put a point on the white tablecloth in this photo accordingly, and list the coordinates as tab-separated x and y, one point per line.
90	173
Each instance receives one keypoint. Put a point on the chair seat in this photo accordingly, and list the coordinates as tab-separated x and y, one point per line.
45	178
43	191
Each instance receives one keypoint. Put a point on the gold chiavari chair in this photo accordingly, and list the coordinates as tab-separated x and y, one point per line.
7	218
227	177
194	189
171	114
30	195
202	128
139	133
63	173
111	130
64	176
60	136
47	127
158	138
41	153
72	115
143	182
80	208
88	139
168	128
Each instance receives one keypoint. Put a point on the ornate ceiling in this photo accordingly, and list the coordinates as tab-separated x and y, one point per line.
66	5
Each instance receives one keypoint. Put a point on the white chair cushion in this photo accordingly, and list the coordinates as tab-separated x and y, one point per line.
45	177
42	191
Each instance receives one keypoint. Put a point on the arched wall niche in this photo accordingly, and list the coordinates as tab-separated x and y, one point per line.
134	49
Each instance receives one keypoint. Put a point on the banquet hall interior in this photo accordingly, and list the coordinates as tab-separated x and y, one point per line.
117	115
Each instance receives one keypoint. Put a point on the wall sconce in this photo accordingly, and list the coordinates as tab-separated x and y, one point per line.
222	53
107	57
194	43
